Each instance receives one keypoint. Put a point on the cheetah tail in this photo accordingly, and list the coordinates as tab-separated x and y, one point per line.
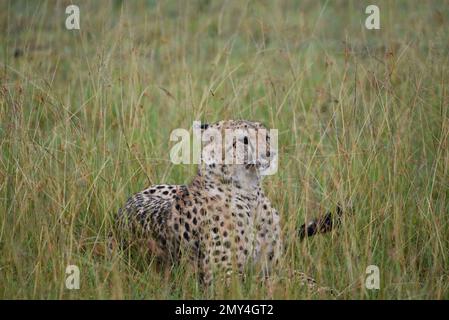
321	224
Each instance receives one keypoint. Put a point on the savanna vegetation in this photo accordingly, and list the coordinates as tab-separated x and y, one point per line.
363	120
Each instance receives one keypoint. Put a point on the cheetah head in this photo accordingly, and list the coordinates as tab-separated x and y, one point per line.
238	150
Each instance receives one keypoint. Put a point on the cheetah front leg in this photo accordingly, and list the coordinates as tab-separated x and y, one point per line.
271	248
268	237
220	264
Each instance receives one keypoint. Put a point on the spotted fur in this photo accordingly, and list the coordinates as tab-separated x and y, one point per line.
222	220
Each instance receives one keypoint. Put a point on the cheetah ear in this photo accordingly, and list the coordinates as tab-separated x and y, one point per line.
200	126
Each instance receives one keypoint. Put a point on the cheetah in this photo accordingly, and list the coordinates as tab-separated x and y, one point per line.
222	220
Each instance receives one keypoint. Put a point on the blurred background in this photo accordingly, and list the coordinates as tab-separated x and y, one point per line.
86	115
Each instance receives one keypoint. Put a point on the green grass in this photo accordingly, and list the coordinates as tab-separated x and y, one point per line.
85	118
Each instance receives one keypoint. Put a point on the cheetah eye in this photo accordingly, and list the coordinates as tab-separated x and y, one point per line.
245	140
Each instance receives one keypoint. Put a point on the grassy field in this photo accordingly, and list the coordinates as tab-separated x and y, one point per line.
363	118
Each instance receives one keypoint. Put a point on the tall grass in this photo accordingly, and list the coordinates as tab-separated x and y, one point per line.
85	118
